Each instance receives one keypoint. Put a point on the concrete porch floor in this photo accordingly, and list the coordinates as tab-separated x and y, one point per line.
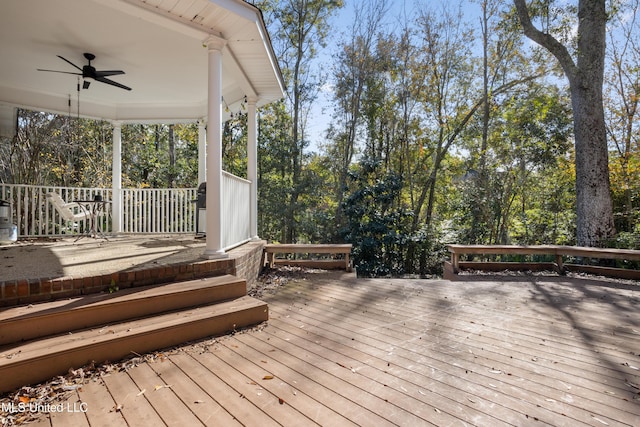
56	257
32	267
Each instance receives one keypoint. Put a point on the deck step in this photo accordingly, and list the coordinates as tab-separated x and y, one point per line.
40	341
19	324
39	360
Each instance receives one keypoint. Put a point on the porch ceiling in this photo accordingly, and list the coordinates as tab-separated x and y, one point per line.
157	43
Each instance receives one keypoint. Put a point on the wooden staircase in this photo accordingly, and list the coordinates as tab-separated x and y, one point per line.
41	341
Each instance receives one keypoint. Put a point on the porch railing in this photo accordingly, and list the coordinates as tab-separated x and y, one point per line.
158	211
169	210
236	215
36	217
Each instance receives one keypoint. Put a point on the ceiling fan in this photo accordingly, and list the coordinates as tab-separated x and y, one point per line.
89	72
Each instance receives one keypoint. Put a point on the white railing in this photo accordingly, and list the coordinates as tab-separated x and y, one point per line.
144	210
169	210
35	216
236	212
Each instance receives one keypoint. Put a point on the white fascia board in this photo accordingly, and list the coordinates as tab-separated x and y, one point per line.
266	41
240	8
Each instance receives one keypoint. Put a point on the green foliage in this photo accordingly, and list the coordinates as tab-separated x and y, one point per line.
146	156
376	222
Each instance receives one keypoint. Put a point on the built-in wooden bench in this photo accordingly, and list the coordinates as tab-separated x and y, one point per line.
558	252
271	250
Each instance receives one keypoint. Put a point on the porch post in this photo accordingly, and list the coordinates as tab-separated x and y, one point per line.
252	164
202	151
214	248
116	179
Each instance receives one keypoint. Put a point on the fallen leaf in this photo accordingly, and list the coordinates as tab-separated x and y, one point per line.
267	377
198	401
281	401
142	392
158	387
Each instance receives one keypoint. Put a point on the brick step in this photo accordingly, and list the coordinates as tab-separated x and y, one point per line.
19	324
42	359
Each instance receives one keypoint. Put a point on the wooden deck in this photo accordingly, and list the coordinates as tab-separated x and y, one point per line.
344	351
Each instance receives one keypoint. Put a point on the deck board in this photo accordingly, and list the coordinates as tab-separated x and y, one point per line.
161	396
130	400
235	404
250	388
343	351
100	406
516	366
67	417
203	406
405	374
327	388
260	368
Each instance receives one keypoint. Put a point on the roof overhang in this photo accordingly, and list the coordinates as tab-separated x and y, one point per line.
158	43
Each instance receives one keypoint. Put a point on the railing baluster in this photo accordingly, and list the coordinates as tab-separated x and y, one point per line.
143	210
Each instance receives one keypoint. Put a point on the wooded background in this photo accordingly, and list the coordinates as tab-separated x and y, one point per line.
446	127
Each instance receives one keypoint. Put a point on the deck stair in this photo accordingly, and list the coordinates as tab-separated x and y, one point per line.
40	341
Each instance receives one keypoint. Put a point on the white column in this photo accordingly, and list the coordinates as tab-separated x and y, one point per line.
214	247
252	164
202	151
116	179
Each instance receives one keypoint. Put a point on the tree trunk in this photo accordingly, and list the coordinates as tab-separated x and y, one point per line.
594	209
593	198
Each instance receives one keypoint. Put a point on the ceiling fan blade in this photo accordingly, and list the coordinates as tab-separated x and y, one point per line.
69	62
62	72
112	83
107	73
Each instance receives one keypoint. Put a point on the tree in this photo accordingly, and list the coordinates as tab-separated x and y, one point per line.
355	69
594	212
622	97
274	171
300	27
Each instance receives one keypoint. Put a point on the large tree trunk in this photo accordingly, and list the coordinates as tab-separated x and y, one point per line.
593	197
